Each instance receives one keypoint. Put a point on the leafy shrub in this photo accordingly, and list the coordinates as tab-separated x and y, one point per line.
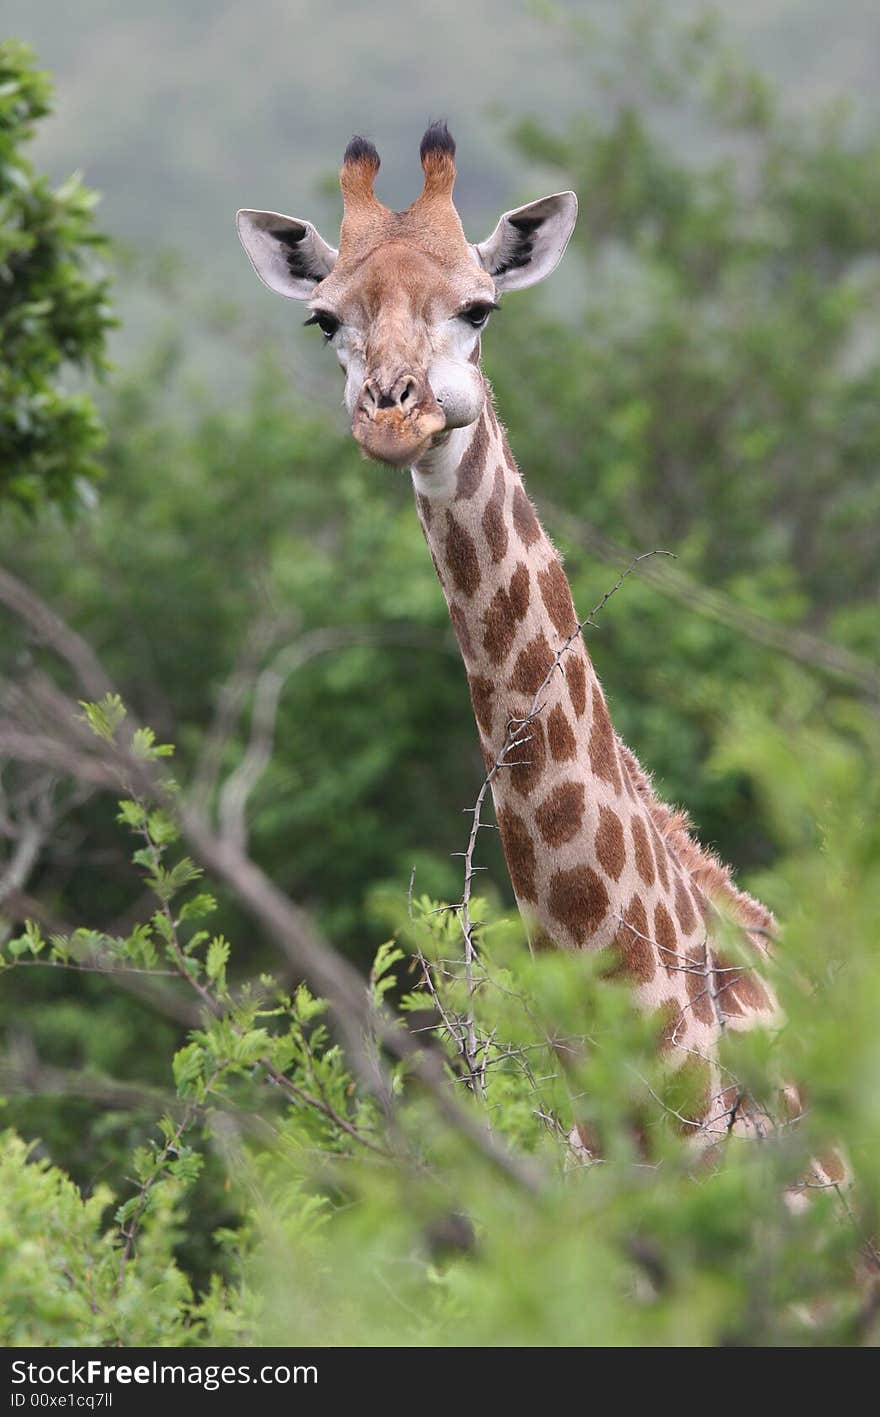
360	1221
54	311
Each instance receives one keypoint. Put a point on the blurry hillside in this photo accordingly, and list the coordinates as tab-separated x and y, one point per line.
179	113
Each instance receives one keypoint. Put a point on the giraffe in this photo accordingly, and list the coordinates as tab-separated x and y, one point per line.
594	857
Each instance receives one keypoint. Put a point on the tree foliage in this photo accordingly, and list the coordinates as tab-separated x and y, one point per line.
54	312
403	1231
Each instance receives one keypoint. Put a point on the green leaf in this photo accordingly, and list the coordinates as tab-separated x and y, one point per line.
188	1066
124	1212
305	1006
166	884
146	856
251	1047
163	926
215	963
104	717
198	906
195	941
132	814
381	979
162	828
144	745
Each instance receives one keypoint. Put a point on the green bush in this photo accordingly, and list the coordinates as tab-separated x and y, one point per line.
54	313
356	1224
61	1282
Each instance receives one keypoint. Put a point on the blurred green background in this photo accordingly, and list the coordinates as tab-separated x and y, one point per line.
178	115
702	376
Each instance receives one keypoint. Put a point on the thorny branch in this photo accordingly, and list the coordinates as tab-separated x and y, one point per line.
172	1145
56	740
332	978
328	975
516	736
462	1030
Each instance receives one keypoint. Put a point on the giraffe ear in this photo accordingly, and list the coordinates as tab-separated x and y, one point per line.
288	255
528	243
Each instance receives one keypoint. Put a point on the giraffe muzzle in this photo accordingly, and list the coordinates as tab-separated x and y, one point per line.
395	422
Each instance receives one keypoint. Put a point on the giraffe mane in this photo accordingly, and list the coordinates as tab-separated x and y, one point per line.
713	876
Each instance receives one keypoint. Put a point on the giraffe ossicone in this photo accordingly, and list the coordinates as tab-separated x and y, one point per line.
594	857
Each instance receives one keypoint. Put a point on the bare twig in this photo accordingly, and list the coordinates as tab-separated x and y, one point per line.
22	1072
332	978
267	685
327	973
49	629
517	735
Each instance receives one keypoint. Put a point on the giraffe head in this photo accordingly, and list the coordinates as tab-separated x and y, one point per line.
405	296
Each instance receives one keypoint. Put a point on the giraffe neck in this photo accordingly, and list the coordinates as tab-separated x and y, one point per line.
593	857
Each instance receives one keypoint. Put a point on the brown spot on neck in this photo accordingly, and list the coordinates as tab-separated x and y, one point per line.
684	909
461	557
833	1166
507	455
506	609
436	564
666	938
603	752
576	678
738	989
633	942
529	758
661	856
482	692
473	462
518	852
560	735
578	900
557	599
610	848
532	666
494	525
700	983
560	814
459	621
528	527
671	1022
642	847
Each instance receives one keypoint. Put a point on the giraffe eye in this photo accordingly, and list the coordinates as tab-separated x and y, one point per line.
478	313
327	323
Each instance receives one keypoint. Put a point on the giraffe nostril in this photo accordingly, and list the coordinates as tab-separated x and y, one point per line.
377	395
